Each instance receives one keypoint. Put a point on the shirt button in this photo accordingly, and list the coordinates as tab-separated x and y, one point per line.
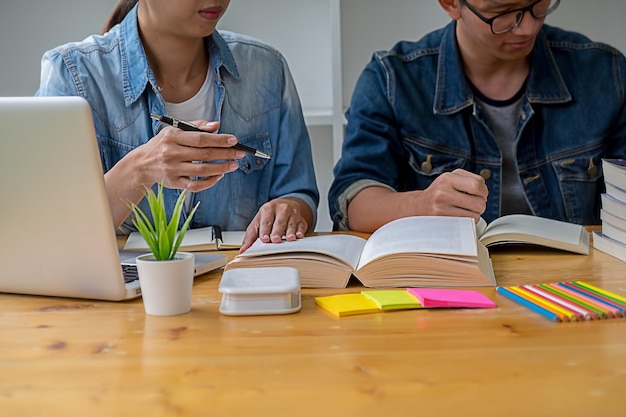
592	169
485	173
426	165
259	162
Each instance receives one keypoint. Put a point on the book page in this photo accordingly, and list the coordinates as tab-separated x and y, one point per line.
422	234
538	229
346	248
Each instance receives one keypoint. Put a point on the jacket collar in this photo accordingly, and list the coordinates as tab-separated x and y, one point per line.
136	72
545	83
453	92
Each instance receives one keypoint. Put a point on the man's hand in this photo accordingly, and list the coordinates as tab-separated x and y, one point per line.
458	193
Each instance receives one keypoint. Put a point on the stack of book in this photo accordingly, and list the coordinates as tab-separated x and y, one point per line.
612	238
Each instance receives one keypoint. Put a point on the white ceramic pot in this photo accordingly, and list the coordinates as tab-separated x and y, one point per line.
166	285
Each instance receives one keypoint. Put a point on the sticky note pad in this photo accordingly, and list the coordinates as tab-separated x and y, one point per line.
347	304
435	297
392	299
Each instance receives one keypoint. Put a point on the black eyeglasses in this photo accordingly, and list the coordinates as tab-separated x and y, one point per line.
506	22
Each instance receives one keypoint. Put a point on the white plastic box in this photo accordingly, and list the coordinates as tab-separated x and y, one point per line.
260	291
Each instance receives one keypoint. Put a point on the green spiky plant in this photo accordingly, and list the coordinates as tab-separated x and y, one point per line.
159	234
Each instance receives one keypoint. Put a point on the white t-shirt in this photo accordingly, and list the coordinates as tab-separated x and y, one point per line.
199	107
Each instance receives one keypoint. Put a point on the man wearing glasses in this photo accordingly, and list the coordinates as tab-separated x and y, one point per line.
496	113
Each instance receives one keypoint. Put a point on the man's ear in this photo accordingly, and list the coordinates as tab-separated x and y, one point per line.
452	8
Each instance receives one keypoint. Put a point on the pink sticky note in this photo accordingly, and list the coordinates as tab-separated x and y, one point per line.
435	297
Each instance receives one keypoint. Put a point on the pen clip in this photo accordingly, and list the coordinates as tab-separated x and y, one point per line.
216	235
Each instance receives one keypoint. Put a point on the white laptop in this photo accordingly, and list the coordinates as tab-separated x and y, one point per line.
58	237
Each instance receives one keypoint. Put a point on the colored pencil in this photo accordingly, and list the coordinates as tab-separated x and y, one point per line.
598	299
595	295
563	313
593	313
584	300
600	291
567	301
582	314
546	313
602	313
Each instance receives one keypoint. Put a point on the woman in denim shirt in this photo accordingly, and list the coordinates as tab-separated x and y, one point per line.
166	57
496	113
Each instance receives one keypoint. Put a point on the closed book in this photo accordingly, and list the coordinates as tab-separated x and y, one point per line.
616	192
613	206
614	171
609	246
607	217
613	232
196	240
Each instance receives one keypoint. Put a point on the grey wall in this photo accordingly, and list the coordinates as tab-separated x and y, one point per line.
370	25
30	27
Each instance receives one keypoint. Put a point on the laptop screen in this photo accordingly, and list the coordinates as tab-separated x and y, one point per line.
58	234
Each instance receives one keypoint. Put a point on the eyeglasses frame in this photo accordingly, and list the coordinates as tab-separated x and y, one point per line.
523	11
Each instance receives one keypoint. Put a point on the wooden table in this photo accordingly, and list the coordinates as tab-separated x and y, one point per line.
79	357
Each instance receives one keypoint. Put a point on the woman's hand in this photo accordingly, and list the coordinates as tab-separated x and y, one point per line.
281	218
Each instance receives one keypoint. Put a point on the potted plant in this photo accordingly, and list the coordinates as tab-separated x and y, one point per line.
165	275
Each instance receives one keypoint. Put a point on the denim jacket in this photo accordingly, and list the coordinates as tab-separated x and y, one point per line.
255	98
413	116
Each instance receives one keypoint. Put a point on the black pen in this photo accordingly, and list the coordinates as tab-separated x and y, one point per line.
216	235
191	128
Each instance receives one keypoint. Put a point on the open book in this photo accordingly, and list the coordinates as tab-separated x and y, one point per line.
521	228
408	252
196	240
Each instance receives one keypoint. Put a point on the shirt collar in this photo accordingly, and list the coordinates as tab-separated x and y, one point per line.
453	92
135	70
137	74
221	55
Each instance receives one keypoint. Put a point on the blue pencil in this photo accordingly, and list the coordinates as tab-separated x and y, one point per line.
596	297
547	314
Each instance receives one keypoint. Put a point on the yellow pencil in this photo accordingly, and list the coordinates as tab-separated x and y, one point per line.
564	314
601	291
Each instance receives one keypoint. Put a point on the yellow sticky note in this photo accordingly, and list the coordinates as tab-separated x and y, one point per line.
347	304
392	299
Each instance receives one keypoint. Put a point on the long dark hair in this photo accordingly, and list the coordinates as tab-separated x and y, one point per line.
119	13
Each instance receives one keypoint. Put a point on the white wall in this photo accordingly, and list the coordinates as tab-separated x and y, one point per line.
301	29
370	25
28	28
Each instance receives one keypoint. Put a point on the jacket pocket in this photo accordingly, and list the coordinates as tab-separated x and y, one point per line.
430	162
579	178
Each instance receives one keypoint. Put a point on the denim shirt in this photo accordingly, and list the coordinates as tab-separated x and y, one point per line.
413	116
255	98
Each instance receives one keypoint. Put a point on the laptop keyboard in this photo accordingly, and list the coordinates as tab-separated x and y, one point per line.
130	273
